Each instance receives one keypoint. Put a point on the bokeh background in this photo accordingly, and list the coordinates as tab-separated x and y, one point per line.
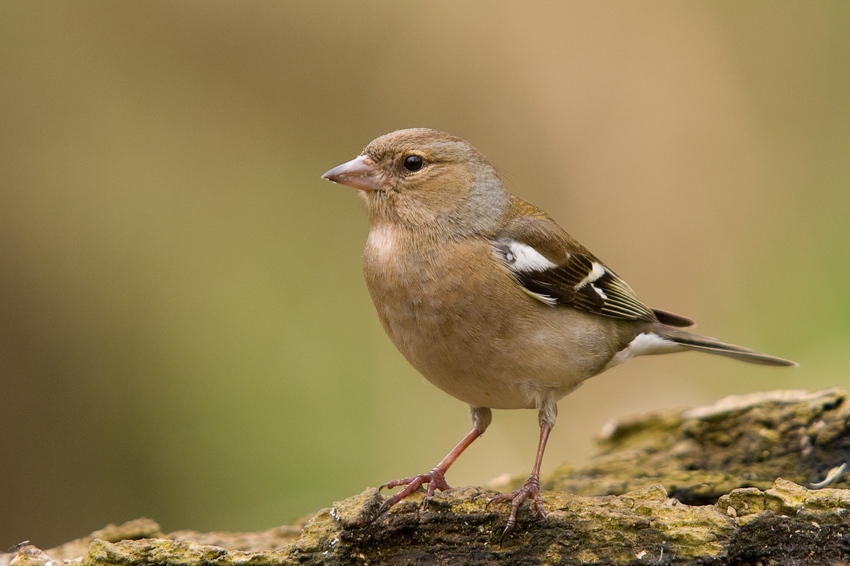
184	329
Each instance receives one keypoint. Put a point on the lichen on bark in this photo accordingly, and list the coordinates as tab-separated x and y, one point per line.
698	486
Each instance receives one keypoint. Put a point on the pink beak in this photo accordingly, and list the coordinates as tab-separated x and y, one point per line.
359	173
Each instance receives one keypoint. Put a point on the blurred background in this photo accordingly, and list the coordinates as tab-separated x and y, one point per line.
184	329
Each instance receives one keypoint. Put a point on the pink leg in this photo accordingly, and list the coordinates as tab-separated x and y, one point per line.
531	488
435	479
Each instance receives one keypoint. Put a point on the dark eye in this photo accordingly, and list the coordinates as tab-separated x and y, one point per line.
413	163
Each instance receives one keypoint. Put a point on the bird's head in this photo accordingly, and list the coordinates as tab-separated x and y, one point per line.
426	179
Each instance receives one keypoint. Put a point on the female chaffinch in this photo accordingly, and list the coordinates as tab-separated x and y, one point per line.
489	298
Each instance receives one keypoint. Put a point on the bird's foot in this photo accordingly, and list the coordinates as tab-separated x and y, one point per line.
433	480
531	489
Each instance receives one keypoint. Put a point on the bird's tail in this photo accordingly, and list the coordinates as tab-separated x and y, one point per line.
712	346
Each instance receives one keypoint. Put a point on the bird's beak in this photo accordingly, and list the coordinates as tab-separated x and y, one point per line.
359	173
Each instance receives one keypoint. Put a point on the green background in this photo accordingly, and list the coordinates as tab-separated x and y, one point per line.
184	329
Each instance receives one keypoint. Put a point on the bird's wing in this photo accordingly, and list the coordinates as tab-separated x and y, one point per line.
555	269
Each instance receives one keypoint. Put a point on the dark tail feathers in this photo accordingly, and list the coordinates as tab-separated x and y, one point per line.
712	346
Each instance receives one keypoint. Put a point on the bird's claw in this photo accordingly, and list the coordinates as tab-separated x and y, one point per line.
531	489
433	480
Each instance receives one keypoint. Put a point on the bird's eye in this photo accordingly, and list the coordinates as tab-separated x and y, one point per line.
413	163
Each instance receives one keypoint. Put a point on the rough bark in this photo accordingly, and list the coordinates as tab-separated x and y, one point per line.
699	486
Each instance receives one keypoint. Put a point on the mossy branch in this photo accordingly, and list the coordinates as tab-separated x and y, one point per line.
699	486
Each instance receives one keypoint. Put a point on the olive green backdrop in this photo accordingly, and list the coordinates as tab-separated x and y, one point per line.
184	329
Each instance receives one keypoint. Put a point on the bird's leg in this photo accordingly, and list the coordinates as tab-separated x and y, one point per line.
435	479
531	488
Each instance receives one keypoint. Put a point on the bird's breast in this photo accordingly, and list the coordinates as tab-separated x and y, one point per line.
453	310
422	285
382	243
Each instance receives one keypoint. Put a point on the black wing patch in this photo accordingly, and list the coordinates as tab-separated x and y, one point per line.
672	319
581	282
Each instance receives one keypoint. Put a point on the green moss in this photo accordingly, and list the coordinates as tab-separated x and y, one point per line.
699	486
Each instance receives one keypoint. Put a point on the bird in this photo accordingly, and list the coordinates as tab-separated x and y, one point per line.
491	300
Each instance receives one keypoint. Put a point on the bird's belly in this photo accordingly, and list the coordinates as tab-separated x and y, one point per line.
498	349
